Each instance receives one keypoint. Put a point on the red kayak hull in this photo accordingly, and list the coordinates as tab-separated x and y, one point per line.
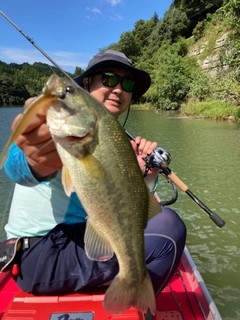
185	297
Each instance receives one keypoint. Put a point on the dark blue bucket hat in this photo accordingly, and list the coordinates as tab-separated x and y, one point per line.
110	58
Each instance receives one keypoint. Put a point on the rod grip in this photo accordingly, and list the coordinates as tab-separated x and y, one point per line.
177	181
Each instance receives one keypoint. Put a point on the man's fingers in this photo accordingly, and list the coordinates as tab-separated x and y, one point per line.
15	121
46	160
36	121
27	102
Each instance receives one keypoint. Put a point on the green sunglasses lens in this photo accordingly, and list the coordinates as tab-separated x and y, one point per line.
128	84
111	80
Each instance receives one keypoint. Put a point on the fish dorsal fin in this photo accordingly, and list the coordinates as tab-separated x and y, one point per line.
95	246
153	206
67	181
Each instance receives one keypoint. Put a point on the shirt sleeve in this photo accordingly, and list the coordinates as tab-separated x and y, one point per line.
17	169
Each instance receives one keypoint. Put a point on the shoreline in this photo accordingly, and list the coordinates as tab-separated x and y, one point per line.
229	118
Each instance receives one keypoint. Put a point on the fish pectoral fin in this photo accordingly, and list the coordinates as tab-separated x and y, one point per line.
93	167
96	247
67	182
154	206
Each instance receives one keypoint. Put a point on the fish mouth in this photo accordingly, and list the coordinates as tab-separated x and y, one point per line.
73	139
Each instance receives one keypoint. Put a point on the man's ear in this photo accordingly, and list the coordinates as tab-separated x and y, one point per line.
86	83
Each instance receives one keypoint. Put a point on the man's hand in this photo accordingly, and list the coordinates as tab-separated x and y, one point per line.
36	142
142	148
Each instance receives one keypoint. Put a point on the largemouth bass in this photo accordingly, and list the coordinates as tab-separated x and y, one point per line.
99	164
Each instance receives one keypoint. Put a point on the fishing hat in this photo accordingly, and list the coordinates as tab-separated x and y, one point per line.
111	58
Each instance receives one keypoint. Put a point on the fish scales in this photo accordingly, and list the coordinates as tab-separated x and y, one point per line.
110	196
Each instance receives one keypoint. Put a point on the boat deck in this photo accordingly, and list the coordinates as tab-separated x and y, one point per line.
185	298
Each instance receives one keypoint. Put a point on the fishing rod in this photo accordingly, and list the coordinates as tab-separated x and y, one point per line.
35	45
159	158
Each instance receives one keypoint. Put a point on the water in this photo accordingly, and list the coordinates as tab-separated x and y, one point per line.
206	157
6	186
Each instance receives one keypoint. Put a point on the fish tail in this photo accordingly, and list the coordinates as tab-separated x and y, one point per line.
124	294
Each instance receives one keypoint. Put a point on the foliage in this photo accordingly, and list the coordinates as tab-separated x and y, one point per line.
134	43
199	87
225	88
77	72
128	45
20	81
198	31
232	9
11	92
165	49
215	110
177	77
171	76
229	55
173	25
198	8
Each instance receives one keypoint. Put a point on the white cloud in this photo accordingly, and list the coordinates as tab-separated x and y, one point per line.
116	16
114	2
66	60
94	10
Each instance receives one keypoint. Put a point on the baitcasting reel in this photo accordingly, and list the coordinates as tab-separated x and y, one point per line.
159	158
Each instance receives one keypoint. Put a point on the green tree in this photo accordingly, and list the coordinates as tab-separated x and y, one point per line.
197	8
11	92
77	72
142	31
171	77
173	25
128	45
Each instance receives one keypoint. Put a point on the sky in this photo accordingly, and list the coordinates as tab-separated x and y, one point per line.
71	32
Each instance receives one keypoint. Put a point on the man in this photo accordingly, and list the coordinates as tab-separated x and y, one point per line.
53	261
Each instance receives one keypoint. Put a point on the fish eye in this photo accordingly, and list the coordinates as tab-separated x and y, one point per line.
70	89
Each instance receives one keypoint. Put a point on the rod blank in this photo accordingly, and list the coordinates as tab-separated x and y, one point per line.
35	45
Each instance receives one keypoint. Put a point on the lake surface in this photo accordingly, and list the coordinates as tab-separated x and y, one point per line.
206	157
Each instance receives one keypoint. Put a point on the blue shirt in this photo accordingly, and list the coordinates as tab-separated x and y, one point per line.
35	211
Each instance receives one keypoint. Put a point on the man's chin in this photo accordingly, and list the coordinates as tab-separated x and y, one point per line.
114	110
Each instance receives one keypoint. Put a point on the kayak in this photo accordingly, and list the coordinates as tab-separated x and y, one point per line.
184	298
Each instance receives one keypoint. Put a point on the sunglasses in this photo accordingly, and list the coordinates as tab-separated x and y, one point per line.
110	79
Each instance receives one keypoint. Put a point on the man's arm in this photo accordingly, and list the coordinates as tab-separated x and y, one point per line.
17	169
33	158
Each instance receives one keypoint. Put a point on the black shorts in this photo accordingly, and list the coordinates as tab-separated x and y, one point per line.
58	264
